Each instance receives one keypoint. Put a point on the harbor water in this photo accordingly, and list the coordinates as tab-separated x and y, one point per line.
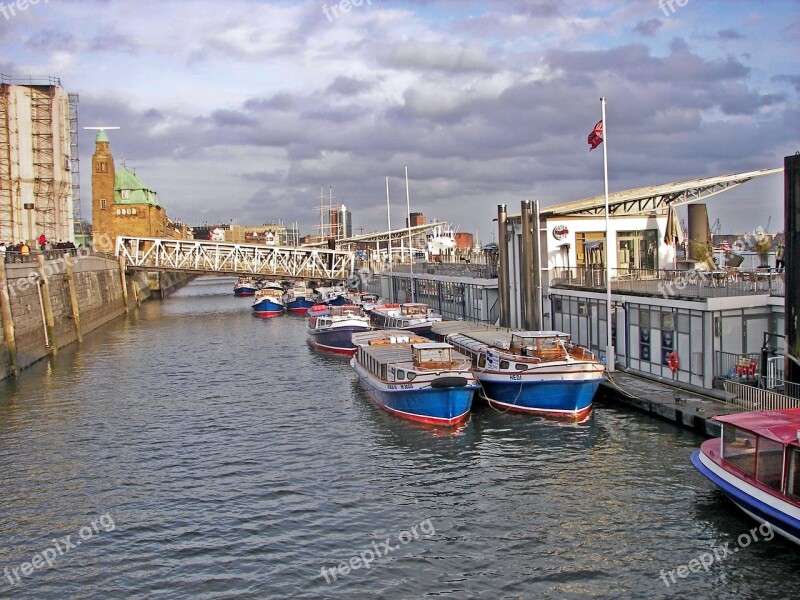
191	450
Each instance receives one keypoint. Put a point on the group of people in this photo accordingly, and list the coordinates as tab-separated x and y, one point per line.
23	249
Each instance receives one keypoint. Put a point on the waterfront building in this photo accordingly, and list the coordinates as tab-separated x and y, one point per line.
38	160
122	204
714	317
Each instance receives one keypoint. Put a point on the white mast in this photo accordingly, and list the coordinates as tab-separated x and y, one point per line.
389	221
610	358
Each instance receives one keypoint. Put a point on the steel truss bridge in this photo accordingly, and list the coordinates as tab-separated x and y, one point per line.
224	258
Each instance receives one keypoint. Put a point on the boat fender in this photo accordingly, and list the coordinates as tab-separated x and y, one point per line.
443	382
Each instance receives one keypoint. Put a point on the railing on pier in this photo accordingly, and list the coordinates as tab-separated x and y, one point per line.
476	271
197	256
670	283
746	397
730	365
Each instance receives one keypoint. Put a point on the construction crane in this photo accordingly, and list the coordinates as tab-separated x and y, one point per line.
716	227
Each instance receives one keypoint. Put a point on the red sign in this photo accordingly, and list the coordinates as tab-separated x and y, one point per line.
560	232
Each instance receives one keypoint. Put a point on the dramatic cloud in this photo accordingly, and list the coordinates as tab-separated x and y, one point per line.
244	110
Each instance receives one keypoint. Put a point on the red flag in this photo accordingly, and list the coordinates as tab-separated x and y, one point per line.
596	137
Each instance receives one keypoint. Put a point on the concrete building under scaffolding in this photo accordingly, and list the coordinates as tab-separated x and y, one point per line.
39	178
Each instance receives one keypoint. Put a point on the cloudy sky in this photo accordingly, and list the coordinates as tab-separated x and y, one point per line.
243	109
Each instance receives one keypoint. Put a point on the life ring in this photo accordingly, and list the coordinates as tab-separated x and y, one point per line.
672	361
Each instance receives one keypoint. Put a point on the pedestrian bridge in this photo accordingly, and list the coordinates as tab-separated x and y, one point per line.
224	258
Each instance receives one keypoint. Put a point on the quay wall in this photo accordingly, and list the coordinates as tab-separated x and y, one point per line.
43	316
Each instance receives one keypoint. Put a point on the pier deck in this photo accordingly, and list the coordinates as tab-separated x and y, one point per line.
683	406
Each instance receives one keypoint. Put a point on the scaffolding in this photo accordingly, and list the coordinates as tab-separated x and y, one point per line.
75	165
6	193
44	196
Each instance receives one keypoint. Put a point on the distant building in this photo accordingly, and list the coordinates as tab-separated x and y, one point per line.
122	204
270	234
417	218
38	158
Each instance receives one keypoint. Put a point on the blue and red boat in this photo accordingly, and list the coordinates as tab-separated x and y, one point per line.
269	300
299	298
331	327
414	378
245	286
534	372
756	463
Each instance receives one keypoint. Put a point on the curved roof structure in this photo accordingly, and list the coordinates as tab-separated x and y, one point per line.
654	198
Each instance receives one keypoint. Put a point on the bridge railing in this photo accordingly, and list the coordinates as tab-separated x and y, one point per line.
199	256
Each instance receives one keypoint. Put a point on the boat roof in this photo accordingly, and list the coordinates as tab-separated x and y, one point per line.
779	425
488	334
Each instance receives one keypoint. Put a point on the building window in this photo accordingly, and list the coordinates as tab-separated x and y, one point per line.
101	166
126	194
102	203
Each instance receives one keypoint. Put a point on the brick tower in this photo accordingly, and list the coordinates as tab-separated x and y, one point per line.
102	190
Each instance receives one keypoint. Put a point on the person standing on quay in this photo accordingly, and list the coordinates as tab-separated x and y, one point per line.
42	242
24	250
780	265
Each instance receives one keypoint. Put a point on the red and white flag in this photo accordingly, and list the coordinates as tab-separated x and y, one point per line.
596	137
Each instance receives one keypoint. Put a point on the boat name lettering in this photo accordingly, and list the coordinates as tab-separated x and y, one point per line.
516	377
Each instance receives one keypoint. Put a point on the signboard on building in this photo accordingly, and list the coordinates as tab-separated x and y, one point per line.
560	232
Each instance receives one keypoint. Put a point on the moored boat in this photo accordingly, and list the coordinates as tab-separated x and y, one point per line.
756	463
365	300
414	378
331	327
299	298
536	372
269	300
411	317
245	286
333	296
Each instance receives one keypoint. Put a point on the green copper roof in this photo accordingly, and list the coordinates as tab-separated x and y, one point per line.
102	136
129	189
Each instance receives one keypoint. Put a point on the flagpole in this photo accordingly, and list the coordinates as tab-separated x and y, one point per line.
610	358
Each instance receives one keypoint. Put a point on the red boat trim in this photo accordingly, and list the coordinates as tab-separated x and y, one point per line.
441	422
579	415
349	351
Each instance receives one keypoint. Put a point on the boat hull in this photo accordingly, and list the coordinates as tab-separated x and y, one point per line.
299	306
568	399
336	339
267	308
442	406
760	505
244	291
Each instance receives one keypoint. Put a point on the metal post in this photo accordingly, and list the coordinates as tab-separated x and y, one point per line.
526	267
537	267
791	170
502	267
